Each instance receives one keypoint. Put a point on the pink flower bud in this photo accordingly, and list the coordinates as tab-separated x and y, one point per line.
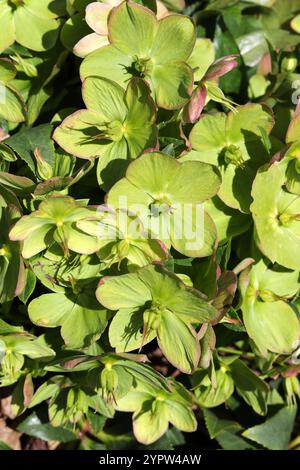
221	66
193	109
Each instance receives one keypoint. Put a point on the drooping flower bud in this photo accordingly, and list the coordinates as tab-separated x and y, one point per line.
44	170
221	66
289	63
193	109
109	382
292	388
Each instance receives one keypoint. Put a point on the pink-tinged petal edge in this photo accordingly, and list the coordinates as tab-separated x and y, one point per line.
89	43
96	15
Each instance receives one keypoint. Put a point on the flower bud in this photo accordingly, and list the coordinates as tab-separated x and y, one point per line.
193	109
292	388
289	63
44	170
109	382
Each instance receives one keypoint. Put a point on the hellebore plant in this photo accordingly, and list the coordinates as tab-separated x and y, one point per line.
15	346
171	207
76	311
235	143
275	213
54	221
12	107
96	16
153	410
32	23
141	46
163	305
122	236
12	272
117	126
270	321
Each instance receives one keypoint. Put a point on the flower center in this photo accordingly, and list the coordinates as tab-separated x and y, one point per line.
140	67
267	296
113	131
233	155
16	3
160	205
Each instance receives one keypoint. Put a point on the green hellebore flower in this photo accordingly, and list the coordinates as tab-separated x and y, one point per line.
167	196
154	299
12	107
68	405
213	392
59	273
214	389
115	374
117	126
122	236
153	409
12	273
79	315
13	348
233	142
269	320
142	46
293	168
69	401
276	217
32	23
96	15
54	221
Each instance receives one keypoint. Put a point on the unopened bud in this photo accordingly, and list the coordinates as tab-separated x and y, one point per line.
44	170
109	382
292	388
193	109
289	63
